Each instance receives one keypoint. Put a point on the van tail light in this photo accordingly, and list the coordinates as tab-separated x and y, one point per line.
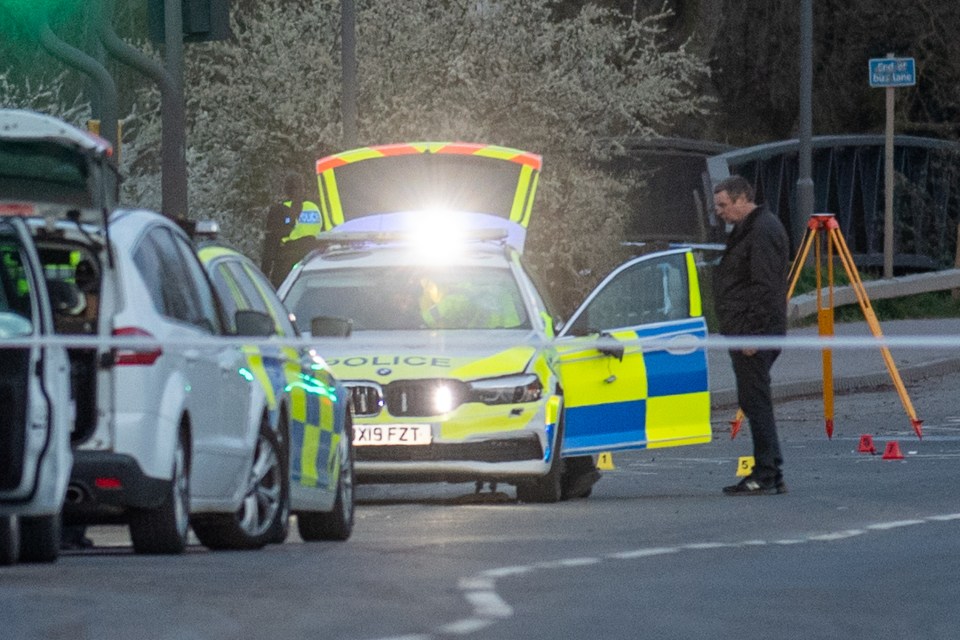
128	355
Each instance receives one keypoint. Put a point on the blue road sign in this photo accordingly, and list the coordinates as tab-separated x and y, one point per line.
892	72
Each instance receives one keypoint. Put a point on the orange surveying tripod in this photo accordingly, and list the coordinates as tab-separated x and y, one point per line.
828	223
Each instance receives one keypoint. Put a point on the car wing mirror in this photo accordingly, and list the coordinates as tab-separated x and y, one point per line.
610	346
254	323
330	327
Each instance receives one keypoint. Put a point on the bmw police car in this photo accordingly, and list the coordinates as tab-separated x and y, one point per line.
458	370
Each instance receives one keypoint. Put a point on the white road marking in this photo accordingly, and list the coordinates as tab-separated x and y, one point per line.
488	607
883	526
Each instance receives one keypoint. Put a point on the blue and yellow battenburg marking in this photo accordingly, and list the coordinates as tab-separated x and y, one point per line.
644	400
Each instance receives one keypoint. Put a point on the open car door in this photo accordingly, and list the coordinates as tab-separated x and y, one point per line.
632	360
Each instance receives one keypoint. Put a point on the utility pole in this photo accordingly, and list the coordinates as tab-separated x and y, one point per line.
348	62
805	188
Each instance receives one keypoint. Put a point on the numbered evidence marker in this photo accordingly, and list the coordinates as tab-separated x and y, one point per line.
744	465
605	461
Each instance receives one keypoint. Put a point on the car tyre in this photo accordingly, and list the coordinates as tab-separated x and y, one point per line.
9	540
164	529
39	538
338	523
549	488
282	528
265	504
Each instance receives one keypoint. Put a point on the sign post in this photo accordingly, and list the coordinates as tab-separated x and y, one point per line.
890	72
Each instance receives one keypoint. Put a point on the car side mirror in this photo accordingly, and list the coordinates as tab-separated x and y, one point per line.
610	346
254	323
330	327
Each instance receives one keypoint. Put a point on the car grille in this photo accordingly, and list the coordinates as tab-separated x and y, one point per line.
366	398
406	398
417	398
506	450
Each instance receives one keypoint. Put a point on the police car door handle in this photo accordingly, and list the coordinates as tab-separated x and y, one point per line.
682	345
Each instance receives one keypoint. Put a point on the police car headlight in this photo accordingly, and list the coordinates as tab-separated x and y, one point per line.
507	390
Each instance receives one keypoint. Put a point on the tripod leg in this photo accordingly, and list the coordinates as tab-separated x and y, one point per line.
824	329
874	325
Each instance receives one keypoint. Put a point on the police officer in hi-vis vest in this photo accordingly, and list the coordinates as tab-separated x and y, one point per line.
291	227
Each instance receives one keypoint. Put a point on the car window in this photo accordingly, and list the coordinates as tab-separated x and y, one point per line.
410	298
205	309
172	281
268	298
231	294
45	172
645	292
16	307
242	287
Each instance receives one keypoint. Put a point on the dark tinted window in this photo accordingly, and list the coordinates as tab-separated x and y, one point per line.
175	280
44	172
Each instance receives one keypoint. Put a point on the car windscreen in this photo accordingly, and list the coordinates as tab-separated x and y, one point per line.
410	298
45	172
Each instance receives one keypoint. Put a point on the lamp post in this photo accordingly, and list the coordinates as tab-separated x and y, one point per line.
348	62
805	190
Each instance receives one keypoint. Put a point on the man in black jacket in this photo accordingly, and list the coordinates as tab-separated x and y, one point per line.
750	296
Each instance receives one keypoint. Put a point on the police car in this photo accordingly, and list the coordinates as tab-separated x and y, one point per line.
308	407
457	368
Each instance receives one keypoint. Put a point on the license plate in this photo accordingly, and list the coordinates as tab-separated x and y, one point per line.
374	434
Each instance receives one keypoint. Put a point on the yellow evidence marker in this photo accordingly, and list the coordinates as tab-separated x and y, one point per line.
744	465
605	461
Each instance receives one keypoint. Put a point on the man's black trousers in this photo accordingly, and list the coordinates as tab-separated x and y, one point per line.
753	394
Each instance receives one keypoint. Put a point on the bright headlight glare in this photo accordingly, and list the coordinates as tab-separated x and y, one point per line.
443	399
508	389
439	236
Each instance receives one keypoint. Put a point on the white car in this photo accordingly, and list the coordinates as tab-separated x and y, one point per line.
170	428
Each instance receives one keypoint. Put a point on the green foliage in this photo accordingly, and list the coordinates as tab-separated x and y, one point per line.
31	14
499	72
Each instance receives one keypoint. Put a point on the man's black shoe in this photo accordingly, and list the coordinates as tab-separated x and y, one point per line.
781	486
753	487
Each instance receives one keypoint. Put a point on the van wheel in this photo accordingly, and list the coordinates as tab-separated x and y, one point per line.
9	540
164	529
39	538
336	524
265	502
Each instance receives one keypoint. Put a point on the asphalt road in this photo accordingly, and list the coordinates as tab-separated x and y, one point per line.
861	547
